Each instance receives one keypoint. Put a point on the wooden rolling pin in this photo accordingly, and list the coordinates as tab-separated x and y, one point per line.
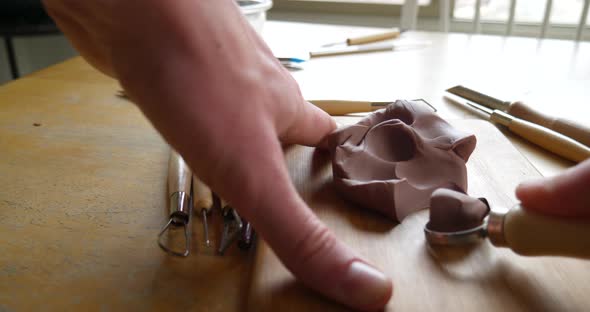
574	130
531	234
546	138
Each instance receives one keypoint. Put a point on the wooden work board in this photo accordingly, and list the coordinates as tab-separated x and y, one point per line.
480	278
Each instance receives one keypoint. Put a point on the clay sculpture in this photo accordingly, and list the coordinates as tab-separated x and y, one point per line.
394	159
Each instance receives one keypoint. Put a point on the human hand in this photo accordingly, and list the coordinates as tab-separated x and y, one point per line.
567	194
216	93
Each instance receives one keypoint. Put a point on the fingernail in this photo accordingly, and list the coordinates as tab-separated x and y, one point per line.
366	287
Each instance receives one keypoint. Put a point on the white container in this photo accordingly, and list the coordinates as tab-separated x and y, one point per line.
255	12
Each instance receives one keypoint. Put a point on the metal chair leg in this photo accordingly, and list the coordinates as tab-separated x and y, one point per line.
11	57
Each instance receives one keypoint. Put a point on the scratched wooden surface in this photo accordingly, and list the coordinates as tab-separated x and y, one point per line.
82	197
482	278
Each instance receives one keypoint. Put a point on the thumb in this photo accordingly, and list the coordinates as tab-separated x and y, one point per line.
302	242
563	195
309	126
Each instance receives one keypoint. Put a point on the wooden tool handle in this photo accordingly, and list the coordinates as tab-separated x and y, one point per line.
203	197
574	130
179	174
374	38
339	107
548	139
532	234
384	46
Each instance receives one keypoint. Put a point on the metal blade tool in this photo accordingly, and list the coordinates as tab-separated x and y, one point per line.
569	128
541	136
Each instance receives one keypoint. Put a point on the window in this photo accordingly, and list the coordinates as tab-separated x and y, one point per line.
563	12
529	15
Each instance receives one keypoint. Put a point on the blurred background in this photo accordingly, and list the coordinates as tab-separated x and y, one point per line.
32	42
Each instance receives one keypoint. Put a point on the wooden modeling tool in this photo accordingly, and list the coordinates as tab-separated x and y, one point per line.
526	233
574	130
546	138
388	35
180	207
344	107
365	48
203	199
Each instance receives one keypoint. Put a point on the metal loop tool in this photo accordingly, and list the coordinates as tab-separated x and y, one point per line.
180	207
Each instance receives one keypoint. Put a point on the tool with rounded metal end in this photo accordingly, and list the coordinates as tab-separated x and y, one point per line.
180	206
203	199
525	232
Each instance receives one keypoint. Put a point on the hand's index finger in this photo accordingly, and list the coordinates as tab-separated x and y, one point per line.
302	242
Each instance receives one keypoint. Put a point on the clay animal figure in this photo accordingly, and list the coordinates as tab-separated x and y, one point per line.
394	159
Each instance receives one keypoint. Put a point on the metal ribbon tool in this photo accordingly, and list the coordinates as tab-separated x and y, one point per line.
524	232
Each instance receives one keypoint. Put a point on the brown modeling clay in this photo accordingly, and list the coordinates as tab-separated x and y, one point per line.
453	211
392	160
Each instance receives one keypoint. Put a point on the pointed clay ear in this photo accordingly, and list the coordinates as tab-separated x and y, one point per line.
464	147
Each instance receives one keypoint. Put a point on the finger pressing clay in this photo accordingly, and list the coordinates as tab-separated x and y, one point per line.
453	211
392	160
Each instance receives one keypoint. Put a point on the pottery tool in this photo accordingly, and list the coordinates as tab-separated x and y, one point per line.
339	107
546	138
526	233
246	238
180	205
365	48
232	227
344	107
574	130
388	35
203	199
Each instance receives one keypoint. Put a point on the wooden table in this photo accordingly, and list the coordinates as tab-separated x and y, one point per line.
82	173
